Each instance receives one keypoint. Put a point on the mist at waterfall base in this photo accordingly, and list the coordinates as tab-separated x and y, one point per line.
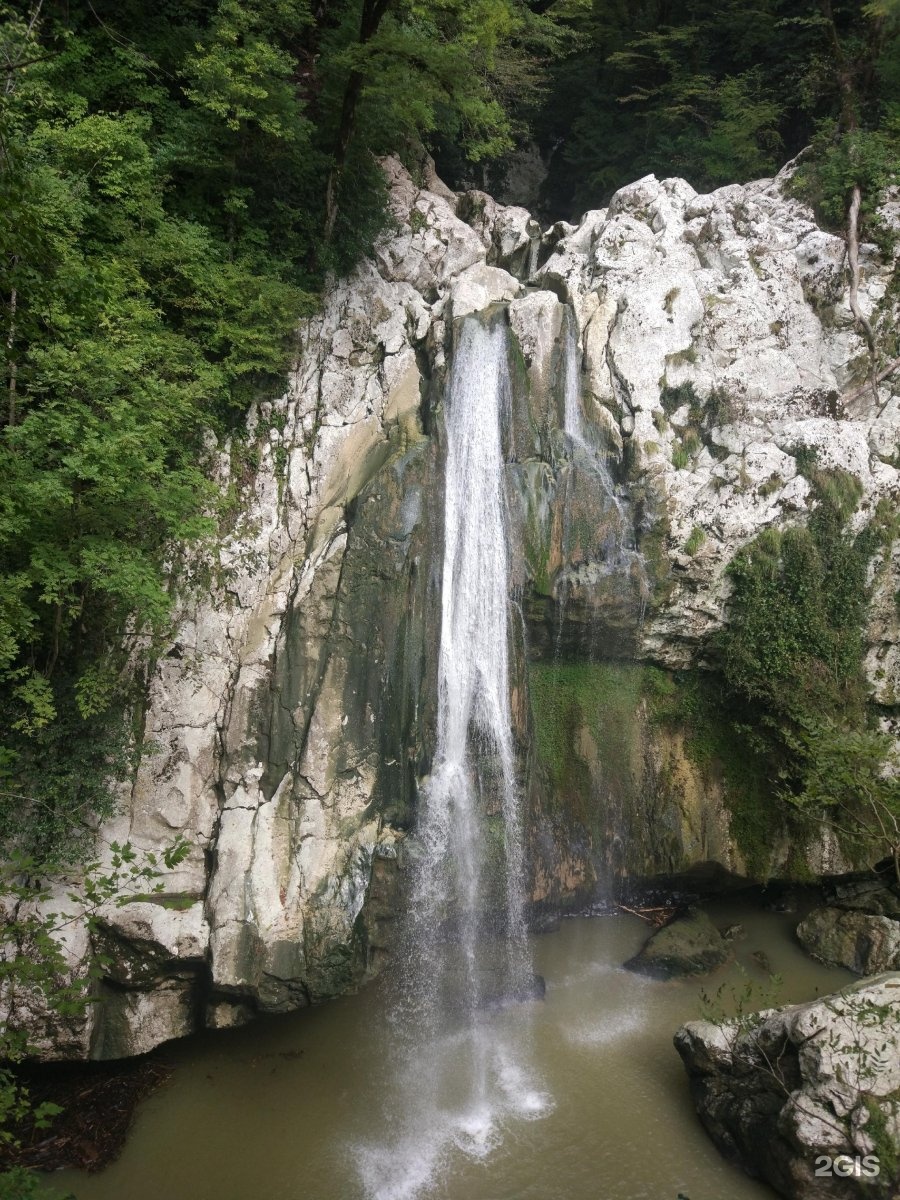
464	1075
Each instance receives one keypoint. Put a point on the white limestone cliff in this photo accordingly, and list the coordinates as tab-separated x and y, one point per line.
265	723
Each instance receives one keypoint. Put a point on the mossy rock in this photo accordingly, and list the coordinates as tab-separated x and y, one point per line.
688	945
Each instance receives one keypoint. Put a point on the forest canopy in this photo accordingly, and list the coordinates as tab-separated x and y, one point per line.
177	179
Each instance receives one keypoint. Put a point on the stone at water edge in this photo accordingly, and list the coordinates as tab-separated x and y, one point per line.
865	943
800	1094
689	945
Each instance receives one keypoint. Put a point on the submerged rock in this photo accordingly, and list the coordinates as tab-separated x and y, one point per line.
688	945
500	993
806	1097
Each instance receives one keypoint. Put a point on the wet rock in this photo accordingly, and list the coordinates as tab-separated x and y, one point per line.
864	942
135	1022
734	933
224	1012
762	960
789	1091
868	895
688	945
784	900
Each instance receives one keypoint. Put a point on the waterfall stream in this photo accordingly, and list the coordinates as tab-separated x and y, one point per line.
464	1067
584	454
474	766
621	559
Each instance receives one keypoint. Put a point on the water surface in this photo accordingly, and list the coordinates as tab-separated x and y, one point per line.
310	1105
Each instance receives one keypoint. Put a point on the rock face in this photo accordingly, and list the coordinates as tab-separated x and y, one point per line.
688	945
806	1097
669	356
859	929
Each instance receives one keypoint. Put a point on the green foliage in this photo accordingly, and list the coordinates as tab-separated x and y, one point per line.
20	1184
852	779
791	662
738	1005
673	398
681	456
838	160
695	540
784	717
162	203
794	638
704	415
702	706
723	92
600	698
884	1141
55	779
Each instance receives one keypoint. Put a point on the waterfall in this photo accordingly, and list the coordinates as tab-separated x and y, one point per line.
474	728
583	453
463	1074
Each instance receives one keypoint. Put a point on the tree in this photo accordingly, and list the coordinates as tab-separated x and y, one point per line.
457	69
712	91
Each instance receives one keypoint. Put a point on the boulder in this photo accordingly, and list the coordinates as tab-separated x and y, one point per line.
480	286
806	1097
689	945
860	930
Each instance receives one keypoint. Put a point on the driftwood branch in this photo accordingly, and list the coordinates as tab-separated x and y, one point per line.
653	916
883	374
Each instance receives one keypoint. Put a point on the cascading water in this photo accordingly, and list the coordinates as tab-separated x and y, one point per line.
463	1073
584	454
474	729
620	558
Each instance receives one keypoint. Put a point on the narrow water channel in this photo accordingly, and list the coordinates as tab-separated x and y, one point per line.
308	1106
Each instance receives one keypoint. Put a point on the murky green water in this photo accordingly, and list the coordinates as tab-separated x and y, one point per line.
307	1106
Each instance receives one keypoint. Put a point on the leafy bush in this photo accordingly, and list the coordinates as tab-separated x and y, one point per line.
792	661
163	196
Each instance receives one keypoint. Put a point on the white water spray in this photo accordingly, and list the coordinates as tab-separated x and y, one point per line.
621	555
584	454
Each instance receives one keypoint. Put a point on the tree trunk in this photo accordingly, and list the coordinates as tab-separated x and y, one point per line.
853	256
850	123
11	365
372	13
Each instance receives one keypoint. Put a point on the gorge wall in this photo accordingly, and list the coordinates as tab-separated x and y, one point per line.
291	722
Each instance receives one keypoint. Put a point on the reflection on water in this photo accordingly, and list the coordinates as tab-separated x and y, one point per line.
304	1106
